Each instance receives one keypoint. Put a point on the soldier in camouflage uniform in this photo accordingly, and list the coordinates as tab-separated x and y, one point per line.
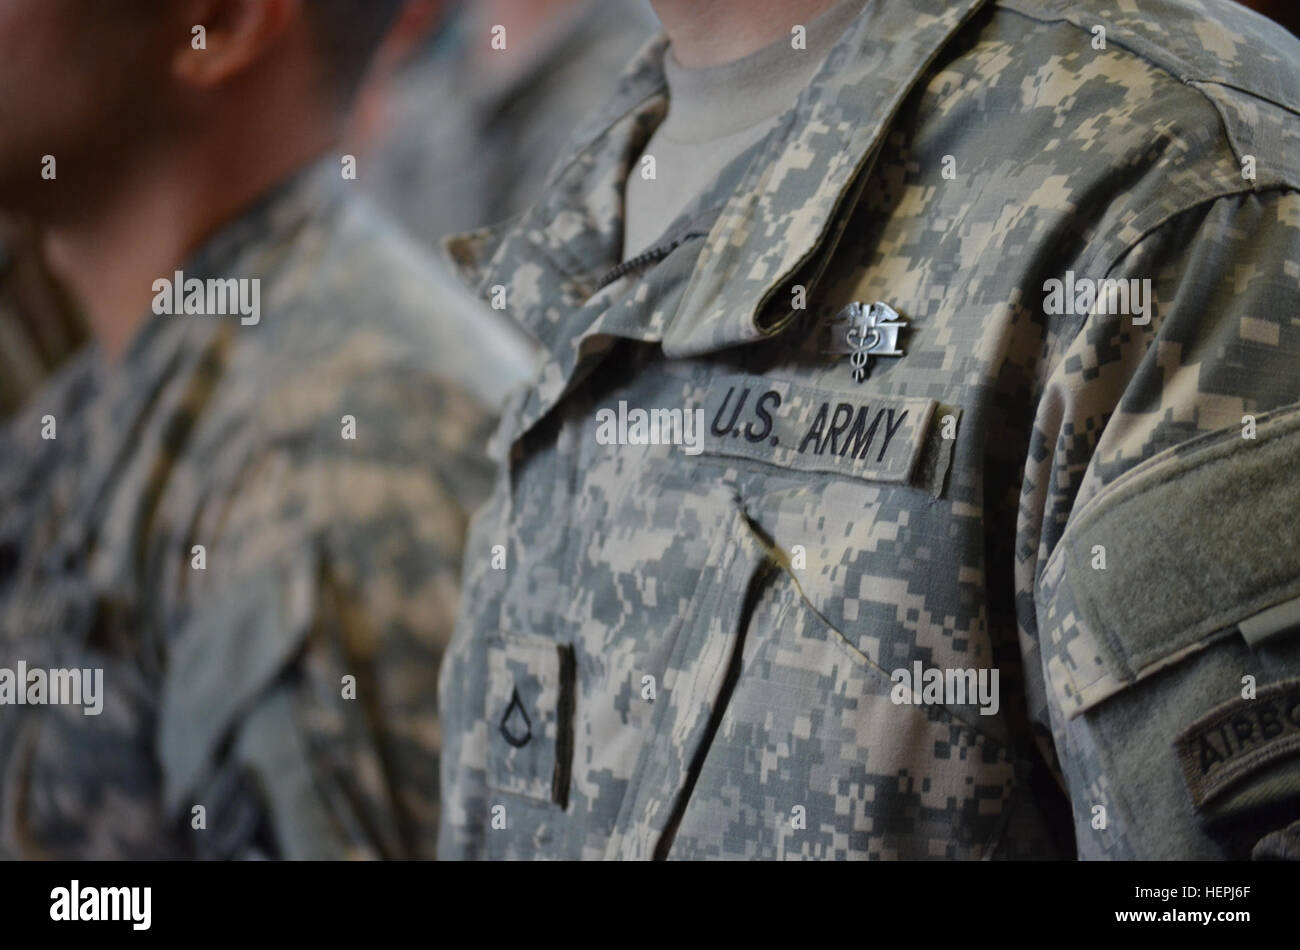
676	652
253	528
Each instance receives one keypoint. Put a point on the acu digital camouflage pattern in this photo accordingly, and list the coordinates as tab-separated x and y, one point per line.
325	557
767	603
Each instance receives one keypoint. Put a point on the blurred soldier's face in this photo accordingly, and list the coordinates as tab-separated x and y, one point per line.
80	81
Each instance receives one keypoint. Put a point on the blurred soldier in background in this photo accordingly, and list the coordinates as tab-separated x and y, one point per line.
244	500
465	131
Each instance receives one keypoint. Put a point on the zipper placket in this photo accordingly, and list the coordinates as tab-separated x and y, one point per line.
697	227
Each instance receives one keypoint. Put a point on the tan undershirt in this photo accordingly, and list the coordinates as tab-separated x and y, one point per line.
714	115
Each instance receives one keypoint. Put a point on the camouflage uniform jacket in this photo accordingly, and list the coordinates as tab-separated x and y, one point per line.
728	650
322	557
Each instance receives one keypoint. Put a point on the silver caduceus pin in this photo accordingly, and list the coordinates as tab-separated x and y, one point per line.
862	332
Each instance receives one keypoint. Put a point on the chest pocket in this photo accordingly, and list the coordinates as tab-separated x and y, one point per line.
529	717
855	488
814	756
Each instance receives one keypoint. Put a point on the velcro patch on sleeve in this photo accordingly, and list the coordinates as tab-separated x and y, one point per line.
871	437
1238	738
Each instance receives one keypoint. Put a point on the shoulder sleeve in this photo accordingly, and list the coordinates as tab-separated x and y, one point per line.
1162	505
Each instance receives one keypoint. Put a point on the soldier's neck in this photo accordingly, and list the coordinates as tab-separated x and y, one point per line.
109	259
144	226
707	33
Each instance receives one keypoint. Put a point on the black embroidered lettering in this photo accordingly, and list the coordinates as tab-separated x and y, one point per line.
1269	724
838	425
816	431
860	437
1209	755
1245	730
760	409
723	430
891	429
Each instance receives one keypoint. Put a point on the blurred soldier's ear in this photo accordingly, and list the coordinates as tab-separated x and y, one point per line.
226	36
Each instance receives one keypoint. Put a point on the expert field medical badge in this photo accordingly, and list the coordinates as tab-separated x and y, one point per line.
862	332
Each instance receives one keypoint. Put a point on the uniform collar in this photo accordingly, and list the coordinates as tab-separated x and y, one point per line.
774	229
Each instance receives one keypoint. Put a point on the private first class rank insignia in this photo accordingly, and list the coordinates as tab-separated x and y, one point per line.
863	331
